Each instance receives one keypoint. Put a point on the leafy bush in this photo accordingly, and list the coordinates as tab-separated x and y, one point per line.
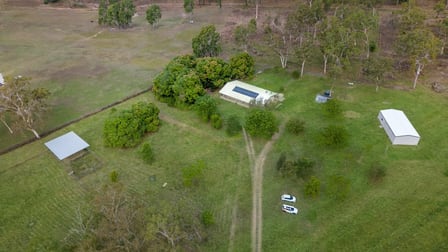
207	218
206	106
333	108
187	89
338	187
281	162
312	187
113	176
242	66
233	125
193	174
213	72
261	123
153	15
334	136
295	126
50	1
146	153
126	128
207	43
216	121
376	172
304	168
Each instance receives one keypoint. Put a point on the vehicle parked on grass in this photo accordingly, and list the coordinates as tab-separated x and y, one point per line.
288	198
289	209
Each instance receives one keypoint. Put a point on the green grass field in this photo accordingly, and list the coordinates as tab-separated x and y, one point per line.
407	211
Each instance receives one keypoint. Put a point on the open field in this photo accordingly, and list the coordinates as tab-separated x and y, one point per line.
86	66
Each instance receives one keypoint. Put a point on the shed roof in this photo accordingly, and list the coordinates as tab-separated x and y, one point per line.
245	92
66	145
2	81
399	123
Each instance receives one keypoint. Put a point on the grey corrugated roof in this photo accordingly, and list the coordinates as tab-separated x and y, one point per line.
66	145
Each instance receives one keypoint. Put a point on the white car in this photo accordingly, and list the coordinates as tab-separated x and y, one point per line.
288	198
289	209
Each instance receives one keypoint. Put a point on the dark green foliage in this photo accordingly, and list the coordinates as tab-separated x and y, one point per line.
216	121
252	26
207	42
187	89
233	125
281	162
50	1
295	126
116	13
206	106
153	15
334	136
375	67
188	6
213	72
261	123
207	218
167	87
146	153
304	168
242	66
126	128
113	176
338	187
312	187
193	174
376	172
333	108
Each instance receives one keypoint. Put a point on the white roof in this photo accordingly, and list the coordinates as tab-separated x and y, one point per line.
66	145
2	81
254	91
399	123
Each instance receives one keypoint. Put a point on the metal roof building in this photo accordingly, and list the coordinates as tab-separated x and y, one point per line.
245	94
66	145
398	127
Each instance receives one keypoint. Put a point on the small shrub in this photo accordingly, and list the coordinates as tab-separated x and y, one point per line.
113	176
207	218
338	187
376	172
193	174
216	121
206	106
281	162
333	108
446	172
312	187
233	125
146	153
295	74
295	126
304	168
334	136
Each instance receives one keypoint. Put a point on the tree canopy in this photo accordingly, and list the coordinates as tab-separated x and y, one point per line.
116	12
21	104
153	15
207	43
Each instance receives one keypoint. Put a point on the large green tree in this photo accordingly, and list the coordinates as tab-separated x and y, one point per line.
116	12
21	104
213	72
261	123
242	66
207	43
420	46
153	15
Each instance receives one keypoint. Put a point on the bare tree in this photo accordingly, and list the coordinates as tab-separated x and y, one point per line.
22	104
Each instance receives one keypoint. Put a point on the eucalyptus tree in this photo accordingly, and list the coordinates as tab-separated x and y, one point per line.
22	104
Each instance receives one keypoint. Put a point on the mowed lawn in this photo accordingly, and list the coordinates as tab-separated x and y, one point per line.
86	66
39	199
407	211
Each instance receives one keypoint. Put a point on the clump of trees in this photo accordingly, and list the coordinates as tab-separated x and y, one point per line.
20	105
295	125
127	127
117	13
185	78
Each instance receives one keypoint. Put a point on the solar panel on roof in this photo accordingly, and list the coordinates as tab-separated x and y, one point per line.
245	92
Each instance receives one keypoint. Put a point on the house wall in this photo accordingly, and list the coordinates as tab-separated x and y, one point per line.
397	140
231	99
386	128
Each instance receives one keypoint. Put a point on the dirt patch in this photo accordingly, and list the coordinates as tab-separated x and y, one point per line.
351	114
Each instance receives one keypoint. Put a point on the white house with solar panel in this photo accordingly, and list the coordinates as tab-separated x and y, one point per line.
248	95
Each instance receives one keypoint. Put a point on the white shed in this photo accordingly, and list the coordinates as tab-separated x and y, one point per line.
245	94
66	145
398	127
